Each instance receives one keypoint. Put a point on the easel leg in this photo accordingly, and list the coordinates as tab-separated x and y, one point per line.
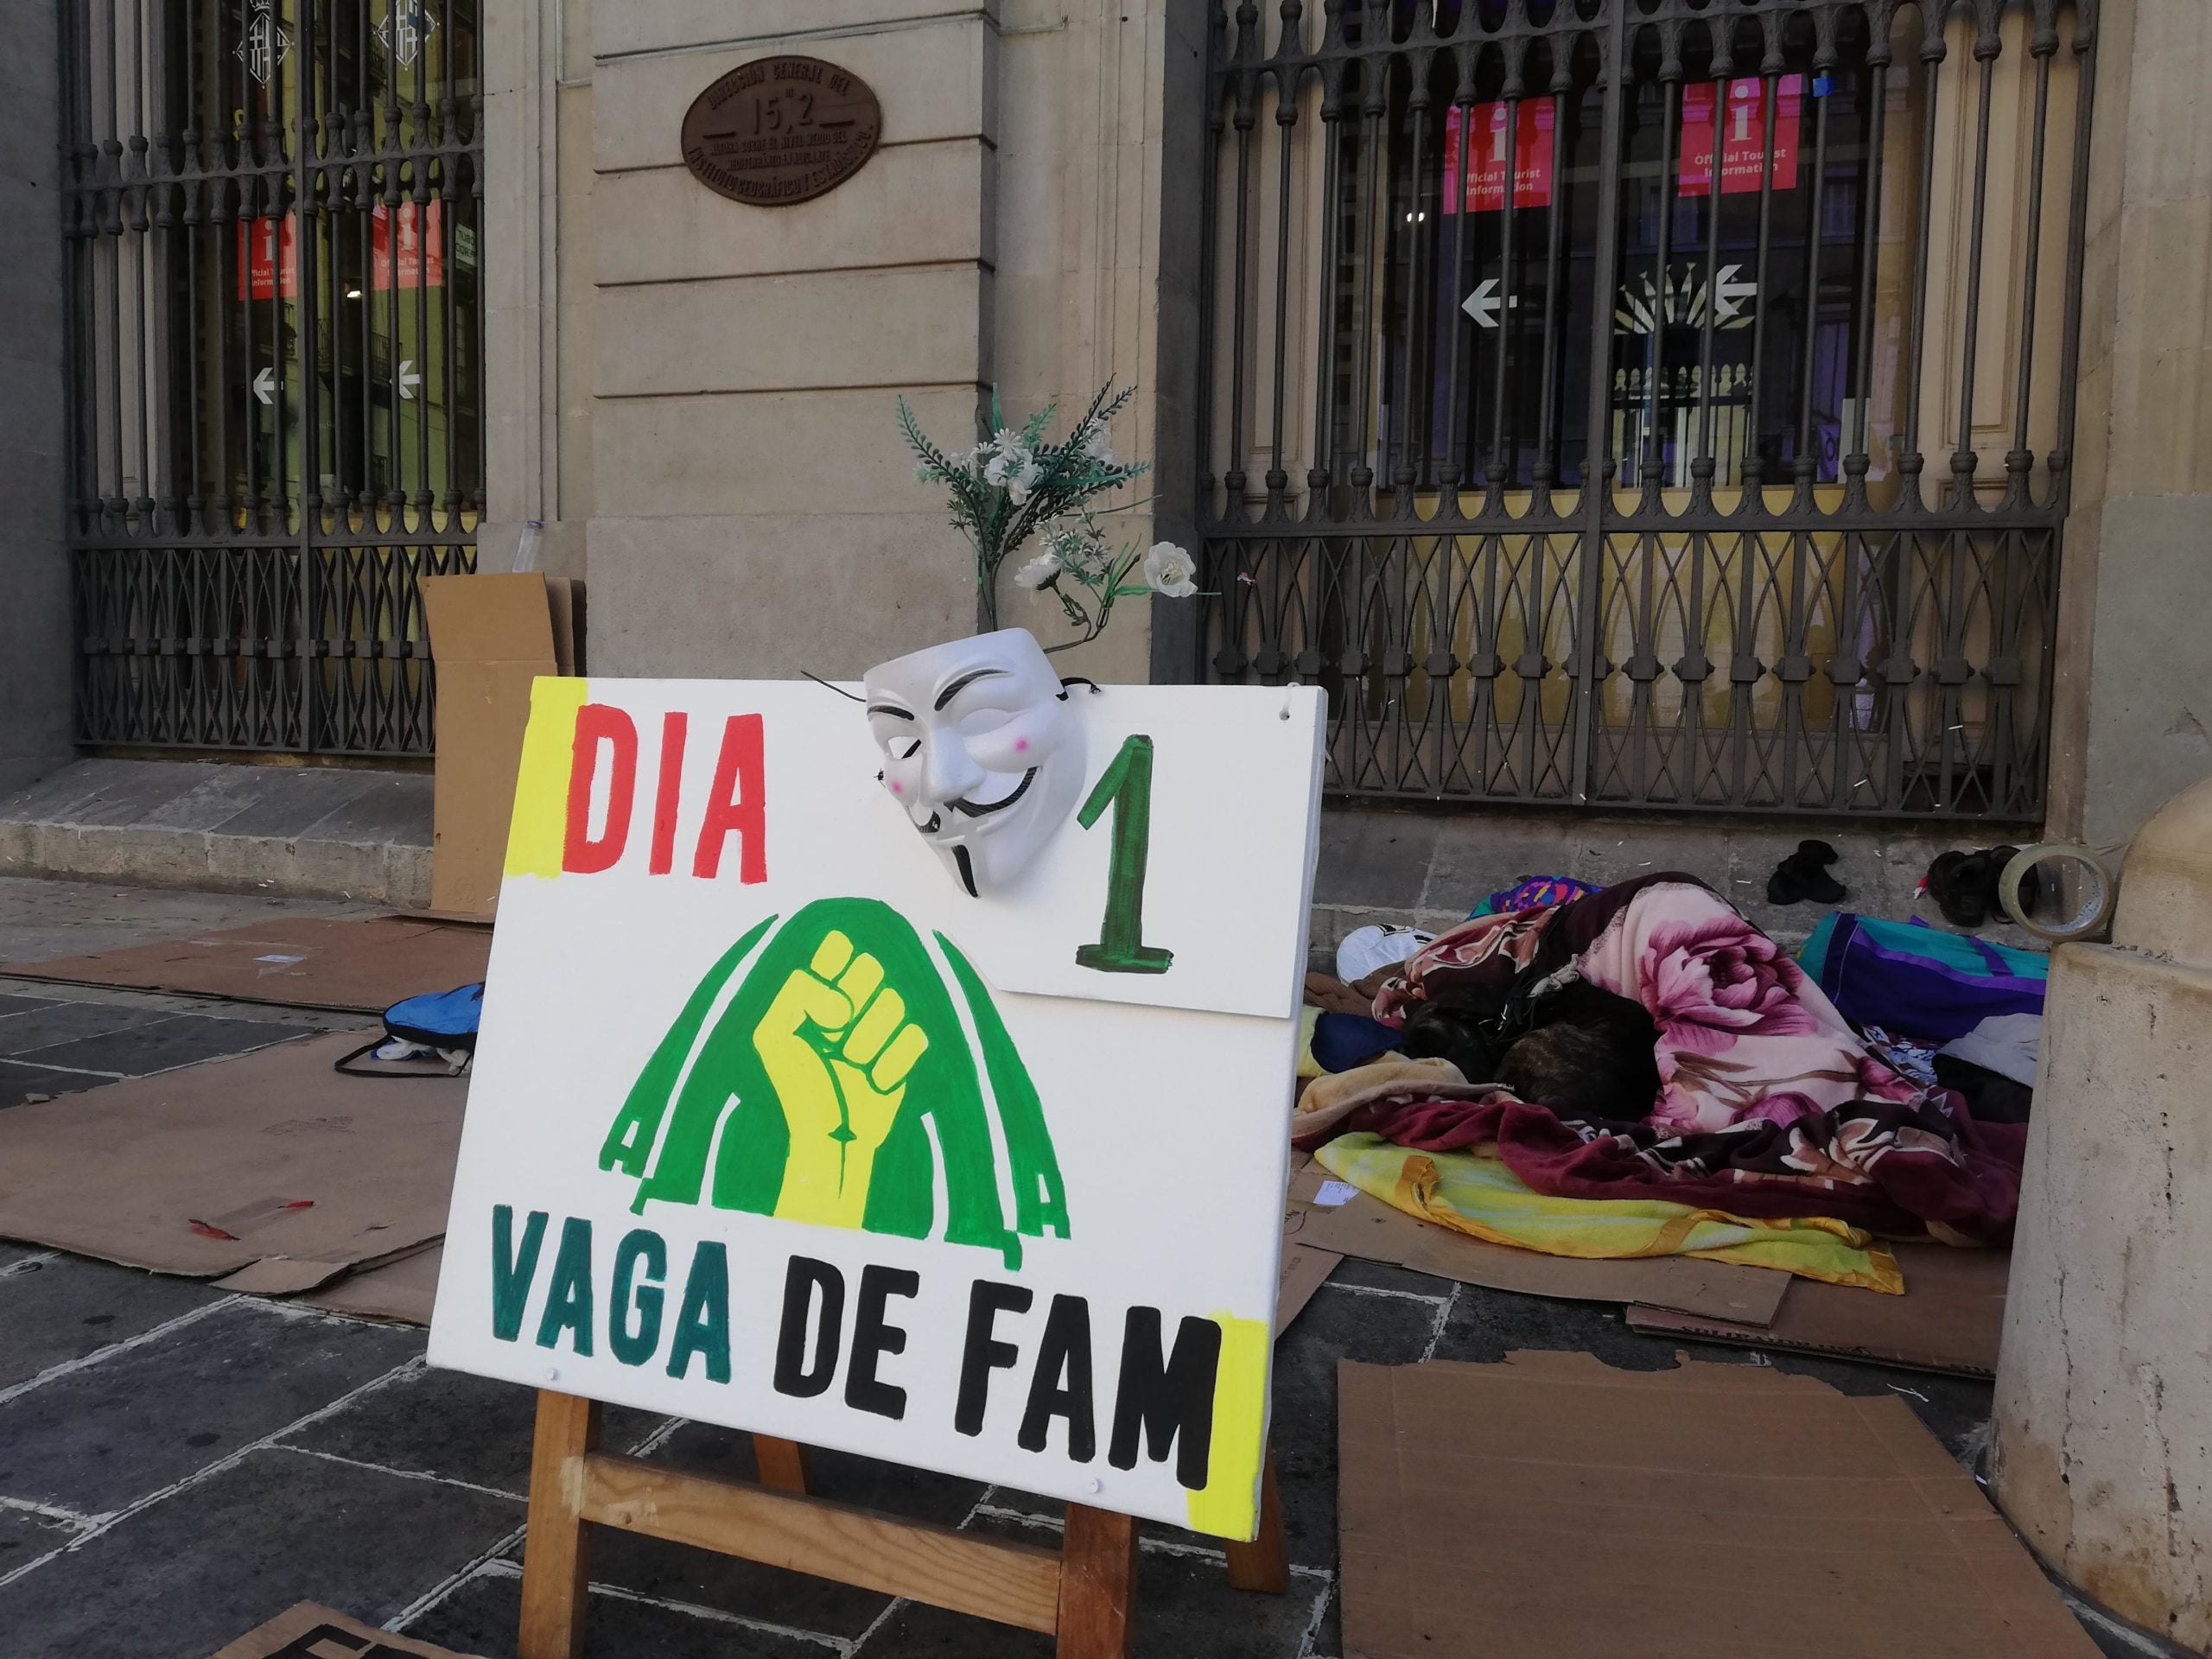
556	1555
782	1464
1098	1574
1263	1564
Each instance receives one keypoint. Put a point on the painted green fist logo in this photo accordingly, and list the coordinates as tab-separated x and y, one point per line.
837	1085
837	1047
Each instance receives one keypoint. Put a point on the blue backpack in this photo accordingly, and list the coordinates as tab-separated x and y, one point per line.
438	1026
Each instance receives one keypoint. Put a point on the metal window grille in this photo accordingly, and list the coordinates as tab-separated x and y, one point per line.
1649	402
273	212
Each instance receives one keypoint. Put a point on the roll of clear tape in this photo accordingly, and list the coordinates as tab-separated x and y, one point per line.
2072	893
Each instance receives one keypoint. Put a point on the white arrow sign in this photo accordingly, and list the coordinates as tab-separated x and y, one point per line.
1483	304
408	379
1728	293
265	385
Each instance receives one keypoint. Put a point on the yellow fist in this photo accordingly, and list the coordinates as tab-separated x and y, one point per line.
837	1047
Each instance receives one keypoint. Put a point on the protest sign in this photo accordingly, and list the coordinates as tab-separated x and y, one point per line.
775	1124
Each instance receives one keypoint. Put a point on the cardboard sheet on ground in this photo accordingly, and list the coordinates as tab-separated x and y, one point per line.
309	1631
1368	1228
363	965
774	1124
400	1292
271	1172
1951	1317
1304	1271
1553	1507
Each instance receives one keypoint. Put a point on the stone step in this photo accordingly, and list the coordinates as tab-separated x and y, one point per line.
308	832
322	832
1427	869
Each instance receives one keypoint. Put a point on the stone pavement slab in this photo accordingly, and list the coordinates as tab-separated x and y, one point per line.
451	1425
178	1579
26	1534
481	1616
47	1024
71	1038
163	1043
20	1083
1185	1608
749	1589
60	1308
110	1434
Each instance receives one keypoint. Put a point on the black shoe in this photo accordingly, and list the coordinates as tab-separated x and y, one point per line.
1964	885
1804	875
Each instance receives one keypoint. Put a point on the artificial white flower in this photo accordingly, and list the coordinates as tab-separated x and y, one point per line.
1006	461
1024	480
1099	449
1169	571
1038	571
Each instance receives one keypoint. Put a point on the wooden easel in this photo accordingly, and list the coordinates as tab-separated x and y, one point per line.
1084	1592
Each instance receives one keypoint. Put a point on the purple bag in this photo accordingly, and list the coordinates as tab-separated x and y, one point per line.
1917	980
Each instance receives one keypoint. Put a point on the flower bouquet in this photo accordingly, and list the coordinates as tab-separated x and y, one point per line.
1012	484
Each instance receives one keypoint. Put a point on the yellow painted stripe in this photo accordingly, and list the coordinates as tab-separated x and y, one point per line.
1228	1504
536	834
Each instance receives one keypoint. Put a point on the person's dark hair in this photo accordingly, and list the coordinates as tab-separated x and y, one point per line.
1456	1031
1590	1055
1582	1052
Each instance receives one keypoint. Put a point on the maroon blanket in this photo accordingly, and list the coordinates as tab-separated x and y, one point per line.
1770	1105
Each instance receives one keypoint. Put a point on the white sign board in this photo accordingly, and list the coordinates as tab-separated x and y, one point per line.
774	1125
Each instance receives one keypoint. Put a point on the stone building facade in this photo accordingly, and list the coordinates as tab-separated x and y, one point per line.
693	398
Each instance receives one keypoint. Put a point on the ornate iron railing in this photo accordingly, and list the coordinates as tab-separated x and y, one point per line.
1649	402
274	212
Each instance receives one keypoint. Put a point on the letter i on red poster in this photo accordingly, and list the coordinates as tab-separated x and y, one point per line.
1743	142
1531	146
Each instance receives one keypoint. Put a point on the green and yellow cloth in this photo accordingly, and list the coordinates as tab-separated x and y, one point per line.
1482	1198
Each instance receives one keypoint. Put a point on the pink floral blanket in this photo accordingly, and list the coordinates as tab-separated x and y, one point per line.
1769	1103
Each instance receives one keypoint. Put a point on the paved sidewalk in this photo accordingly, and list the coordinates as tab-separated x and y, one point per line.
178	1464
181	1462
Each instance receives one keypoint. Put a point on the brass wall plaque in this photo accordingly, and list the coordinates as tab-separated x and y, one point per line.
779	130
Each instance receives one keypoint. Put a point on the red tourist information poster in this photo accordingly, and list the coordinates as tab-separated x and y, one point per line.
1532	156
1743	142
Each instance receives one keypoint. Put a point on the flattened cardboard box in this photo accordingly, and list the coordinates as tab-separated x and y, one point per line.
400	1292
309	1631
490	636
1303	1268
362	966
1950	1319
1368	1228
270	1168
1553	1507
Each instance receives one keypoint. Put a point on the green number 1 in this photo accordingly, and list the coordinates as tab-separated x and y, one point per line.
1128	784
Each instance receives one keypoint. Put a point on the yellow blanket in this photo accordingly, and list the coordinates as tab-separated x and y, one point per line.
1483	1197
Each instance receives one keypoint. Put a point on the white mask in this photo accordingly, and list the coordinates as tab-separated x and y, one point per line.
981	748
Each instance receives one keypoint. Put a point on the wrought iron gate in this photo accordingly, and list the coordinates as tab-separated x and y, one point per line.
274	212
1577	381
